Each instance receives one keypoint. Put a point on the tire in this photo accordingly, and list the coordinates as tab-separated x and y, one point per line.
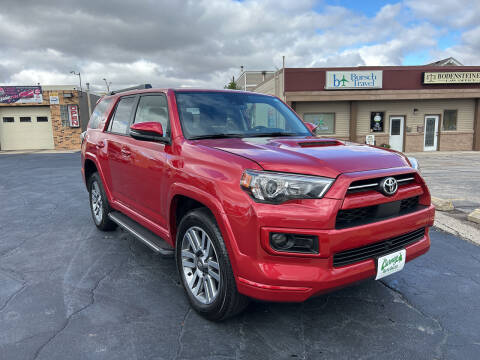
99	206
199	274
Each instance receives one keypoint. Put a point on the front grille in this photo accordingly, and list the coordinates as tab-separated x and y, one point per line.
374	184
366	215
377	249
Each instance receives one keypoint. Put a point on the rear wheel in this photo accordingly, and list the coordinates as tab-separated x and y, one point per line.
205	269
99	204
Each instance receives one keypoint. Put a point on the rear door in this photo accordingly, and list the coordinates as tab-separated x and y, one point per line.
118	152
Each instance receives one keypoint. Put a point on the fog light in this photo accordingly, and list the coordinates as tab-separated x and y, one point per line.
294	243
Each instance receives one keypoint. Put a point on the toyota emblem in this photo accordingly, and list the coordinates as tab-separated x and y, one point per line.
389	186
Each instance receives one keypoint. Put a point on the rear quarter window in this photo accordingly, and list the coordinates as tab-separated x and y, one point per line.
100	113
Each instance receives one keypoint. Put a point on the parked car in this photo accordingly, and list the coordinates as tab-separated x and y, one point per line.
251	205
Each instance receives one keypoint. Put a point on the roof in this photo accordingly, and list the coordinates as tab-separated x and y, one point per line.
451	61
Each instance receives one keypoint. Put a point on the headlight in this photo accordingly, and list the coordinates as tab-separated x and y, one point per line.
276	188
414	163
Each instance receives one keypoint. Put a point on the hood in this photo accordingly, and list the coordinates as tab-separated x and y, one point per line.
309	155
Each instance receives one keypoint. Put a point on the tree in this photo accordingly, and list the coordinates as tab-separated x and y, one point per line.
232	84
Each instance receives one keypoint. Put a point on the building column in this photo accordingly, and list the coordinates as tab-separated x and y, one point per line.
476	126
353	120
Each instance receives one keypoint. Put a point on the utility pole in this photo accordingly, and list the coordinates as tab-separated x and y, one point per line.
88	101
108	84
283	74
79	78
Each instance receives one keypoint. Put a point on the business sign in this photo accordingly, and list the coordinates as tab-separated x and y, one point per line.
344	80
54	99
21	94
457	77
73	116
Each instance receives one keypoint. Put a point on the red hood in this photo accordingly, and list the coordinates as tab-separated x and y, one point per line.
309	155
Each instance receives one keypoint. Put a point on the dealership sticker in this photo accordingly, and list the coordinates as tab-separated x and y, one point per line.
390	263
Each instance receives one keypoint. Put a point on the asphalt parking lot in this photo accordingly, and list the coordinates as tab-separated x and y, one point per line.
68	291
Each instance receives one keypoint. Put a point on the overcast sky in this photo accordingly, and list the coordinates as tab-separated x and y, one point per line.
173	43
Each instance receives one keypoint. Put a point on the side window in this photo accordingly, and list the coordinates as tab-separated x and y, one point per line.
121	118
99	114
153	108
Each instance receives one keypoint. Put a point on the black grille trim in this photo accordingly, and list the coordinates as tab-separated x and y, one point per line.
370	214
377	249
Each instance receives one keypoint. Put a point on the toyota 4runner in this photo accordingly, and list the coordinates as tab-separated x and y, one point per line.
249	202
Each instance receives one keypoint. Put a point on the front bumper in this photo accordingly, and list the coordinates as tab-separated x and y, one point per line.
296	278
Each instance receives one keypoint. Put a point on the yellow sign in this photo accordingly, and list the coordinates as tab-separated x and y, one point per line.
457	77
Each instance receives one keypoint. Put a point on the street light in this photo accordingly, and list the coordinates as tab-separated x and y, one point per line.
108	85
79	77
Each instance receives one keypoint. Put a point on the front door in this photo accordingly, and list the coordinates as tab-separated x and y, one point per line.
431	133
396	132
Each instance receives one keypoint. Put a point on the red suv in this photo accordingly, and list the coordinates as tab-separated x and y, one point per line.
249	202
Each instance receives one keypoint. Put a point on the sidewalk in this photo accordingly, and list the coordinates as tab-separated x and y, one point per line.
13	152
454	176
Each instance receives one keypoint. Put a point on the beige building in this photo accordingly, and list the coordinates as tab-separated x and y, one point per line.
408	108
42	117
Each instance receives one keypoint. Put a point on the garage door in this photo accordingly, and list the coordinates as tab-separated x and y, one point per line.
25	128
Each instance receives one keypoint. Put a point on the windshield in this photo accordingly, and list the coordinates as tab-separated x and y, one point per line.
229	114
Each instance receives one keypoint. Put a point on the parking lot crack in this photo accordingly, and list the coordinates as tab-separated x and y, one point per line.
73	314
4	306
182	332
440	327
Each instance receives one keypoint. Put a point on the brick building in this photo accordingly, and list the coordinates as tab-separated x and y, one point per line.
409	108
42	117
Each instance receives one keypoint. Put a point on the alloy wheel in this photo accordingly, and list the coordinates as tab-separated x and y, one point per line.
97	202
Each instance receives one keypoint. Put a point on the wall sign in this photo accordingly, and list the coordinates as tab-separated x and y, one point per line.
21	94
54	99
376	121
370	140
73	116
457	77
343	80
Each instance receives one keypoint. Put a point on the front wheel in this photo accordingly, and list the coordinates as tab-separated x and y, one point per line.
205	269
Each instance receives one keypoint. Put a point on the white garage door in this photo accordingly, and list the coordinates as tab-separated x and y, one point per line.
25	128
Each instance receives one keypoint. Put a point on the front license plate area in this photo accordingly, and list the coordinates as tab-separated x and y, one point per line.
390	263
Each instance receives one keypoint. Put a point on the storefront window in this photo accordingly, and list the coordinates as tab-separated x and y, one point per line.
324	121
450	120
376	121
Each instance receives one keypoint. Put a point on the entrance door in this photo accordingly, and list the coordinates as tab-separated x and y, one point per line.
396	132
431	133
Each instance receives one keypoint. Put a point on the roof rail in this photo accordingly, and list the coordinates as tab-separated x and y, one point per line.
138	87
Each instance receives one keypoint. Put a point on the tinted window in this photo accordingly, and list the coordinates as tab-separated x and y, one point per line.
217	114
153	108
99	114
121	118
42	119
450	120
8	119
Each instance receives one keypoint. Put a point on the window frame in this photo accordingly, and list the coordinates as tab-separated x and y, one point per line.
132	112
323	112
167	132
443	120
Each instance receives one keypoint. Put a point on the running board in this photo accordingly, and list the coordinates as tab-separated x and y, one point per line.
153	241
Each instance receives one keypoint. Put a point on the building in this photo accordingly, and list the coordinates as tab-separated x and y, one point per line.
409	108
43	117
248	80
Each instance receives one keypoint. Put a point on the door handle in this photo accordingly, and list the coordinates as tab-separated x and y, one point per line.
100	145
125	152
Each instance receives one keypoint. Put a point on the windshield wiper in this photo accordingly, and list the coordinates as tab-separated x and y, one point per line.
278	133
217	136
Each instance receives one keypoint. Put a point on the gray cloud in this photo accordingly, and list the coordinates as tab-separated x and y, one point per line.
199	43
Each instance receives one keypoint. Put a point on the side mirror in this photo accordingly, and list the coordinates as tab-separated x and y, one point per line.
148	131
311	126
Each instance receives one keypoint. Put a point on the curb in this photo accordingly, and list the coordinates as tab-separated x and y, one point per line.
474	216
457	227
442	204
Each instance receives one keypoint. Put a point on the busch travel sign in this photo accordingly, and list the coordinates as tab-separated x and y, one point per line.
345	80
